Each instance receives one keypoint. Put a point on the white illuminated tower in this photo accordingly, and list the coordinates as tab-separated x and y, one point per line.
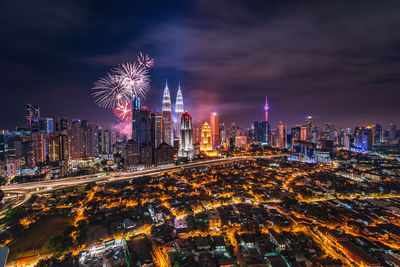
168	126
178	110
186	149
166	103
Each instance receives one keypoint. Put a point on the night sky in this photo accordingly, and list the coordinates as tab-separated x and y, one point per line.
336	60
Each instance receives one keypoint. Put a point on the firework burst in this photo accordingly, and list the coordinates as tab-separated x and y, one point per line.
123	111
145	60
134	79
109	91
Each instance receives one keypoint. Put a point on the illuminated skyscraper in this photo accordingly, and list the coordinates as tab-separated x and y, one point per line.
214	123
266	108
76	140
309	128
105	142
58	147
206	141
178	110
197	134
168	127
282	135
136	106
39	146
156	129
91	141
303	133
392	131
32	115
186	149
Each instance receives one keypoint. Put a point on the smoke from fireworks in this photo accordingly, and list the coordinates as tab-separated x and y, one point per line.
109	91
124	128
123	111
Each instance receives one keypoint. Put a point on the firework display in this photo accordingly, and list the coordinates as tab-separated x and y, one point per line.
134	78
145	60
123	83
118	87
109	91
123	111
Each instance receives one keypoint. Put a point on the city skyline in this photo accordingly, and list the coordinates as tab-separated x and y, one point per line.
351	79
202	133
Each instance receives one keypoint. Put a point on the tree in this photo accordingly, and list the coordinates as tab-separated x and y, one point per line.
57	243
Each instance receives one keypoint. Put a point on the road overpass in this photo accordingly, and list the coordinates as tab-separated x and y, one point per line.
27	189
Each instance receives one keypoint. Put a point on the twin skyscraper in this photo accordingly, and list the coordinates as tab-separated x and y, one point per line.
171	124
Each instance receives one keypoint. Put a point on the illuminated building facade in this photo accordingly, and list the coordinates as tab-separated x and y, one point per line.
39	144
58	147
206	141
178	111
105	142
197	134
168	126
186	149
282	135
46	125
303	133
241	142
261	132
32	115
214	123
156	129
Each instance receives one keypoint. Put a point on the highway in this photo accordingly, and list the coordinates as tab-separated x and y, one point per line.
27	189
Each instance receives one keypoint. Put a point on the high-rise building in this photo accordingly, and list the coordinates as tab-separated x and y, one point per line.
168	126
186	149
76	140
32	115
178	111
136	106
39	145
392	131
142	126
46	125
282	135
261	132
304	133
105	142
91	143
363	138
62	125
58	147
206	140
156	129
214	123
309	128
131	154
377	134
197	134
241	142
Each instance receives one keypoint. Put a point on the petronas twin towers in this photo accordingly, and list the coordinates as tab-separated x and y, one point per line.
168	119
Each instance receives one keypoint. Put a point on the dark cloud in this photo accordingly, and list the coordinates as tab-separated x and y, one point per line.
337	60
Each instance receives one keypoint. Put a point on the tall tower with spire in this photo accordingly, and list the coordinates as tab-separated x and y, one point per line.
178	110
168	127
266	108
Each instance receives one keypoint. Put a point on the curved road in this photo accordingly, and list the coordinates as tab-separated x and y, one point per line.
27	189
